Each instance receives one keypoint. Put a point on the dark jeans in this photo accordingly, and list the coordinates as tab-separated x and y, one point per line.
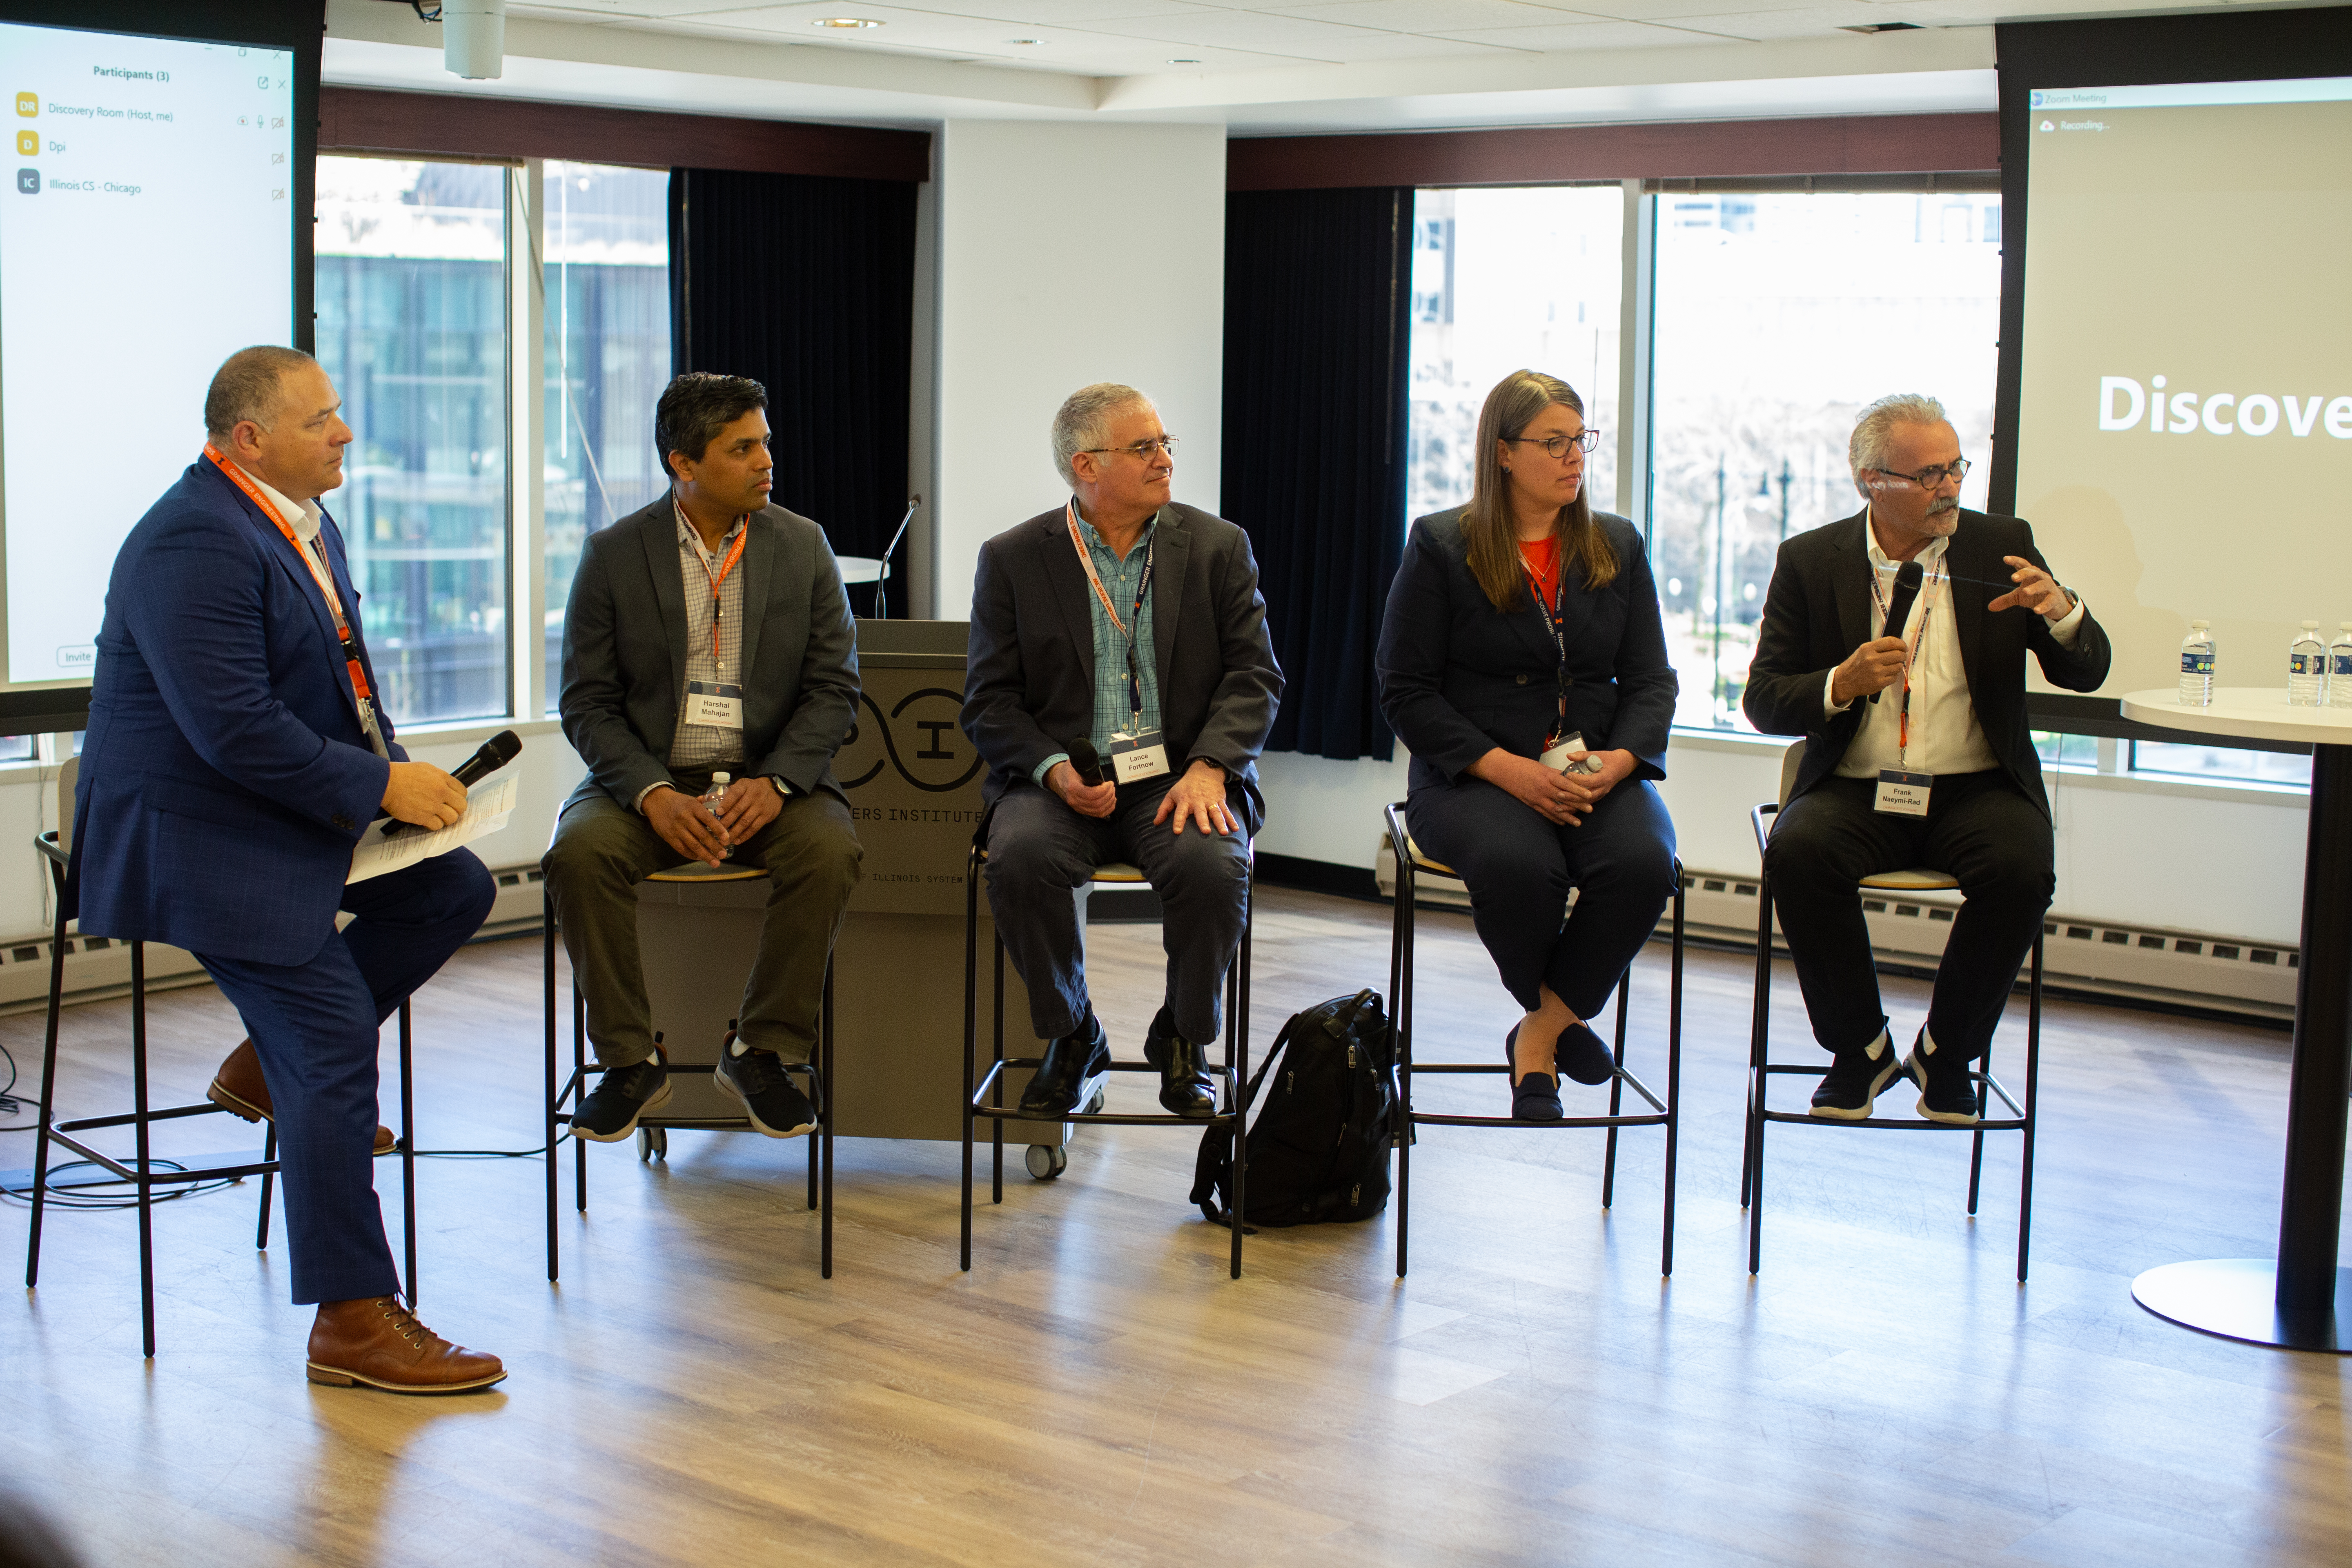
1980	829
314	1026
1039	850
603	850
1519	868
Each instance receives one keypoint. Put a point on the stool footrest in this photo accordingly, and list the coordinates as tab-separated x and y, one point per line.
989	1080
252	1167
130	1118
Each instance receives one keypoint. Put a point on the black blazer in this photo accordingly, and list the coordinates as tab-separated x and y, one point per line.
625	653
1029	684
1818	611
1459	677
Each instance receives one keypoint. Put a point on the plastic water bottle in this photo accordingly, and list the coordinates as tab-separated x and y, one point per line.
2197	666
715	797
2306	661
2339	669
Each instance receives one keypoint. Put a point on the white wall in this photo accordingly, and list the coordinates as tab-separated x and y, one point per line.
2190	858
1068	254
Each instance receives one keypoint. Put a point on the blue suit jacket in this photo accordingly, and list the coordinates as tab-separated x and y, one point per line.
224	778
1459	677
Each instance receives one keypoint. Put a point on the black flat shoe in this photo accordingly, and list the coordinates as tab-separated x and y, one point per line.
1184	1085
1534	1096
1581	1054
1074	1071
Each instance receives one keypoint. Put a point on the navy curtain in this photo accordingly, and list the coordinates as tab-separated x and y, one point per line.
806	284
1318	302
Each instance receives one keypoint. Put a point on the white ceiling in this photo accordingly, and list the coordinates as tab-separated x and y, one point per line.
1255	65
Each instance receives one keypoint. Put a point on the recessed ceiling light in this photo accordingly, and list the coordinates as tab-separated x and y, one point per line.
1183	62
845	22
1024	42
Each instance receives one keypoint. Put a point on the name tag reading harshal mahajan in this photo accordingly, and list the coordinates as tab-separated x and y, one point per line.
1901	794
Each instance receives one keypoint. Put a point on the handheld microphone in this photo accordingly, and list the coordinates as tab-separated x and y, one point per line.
1898	602
1084	761
495	753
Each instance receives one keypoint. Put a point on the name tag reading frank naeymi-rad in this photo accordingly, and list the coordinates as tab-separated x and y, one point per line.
1901	794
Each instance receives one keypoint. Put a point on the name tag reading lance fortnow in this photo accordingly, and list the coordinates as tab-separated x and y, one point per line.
1901	794
1139	756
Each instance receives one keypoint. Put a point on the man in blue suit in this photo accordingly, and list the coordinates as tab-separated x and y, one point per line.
235	755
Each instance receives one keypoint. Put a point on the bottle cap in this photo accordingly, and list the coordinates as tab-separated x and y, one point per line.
719	778
2200	626
2311	626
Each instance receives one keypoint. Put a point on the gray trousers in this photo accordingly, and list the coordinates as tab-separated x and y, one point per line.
1039	850
603	850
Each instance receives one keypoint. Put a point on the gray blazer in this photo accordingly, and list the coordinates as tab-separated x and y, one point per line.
1029	684
625	653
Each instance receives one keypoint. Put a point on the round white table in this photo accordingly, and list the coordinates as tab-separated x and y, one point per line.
2303	1300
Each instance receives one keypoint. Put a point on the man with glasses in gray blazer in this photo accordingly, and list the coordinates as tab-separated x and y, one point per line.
1121	687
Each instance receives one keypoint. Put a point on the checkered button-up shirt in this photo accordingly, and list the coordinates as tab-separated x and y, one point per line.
700	747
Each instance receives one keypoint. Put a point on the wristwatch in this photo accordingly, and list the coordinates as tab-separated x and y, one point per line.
783	785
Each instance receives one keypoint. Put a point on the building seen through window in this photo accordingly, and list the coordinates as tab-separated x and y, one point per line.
411	321
607	358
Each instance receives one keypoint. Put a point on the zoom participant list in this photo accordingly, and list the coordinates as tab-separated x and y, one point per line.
147	234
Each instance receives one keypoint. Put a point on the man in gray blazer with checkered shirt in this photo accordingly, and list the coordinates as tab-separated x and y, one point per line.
1124	628
706	636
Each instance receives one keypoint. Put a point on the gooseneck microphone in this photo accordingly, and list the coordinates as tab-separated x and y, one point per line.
1083	760
495	753
1899	603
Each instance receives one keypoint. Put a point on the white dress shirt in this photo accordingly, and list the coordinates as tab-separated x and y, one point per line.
1946	737
303	517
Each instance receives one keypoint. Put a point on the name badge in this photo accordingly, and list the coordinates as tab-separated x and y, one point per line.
1139	756
716	704
1558	758
1901	794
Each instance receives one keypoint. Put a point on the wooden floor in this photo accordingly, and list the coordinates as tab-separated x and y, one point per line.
1097	1391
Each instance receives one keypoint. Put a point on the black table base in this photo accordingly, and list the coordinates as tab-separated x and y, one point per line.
2237	1298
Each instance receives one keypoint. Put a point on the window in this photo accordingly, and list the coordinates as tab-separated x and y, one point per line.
2220	764
1508	279
2080	752
412	325
608	357
1777	318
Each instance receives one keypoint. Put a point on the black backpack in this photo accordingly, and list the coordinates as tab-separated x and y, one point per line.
1319	1144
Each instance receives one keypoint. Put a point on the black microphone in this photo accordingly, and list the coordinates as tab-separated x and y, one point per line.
1084	761
497	752
1899	603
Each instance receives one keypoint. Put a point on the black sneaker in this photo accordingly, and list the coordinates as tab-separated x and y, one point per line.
1946	1092
622	1095
771	1099
1854	1080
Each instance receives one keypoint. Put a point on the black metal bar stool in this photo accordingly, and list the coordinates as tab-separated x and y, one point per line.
142	1172
1762	1069
652	1132
1665	1114
989	1087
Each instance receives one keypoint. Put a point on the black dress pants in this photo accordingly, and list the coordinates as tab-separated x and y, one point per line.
1980	829
1519	868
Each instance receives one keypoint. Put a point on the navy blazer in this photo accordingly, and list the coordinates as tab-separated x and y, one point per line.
1029	683
1459	677
225	777
1818	611
625	653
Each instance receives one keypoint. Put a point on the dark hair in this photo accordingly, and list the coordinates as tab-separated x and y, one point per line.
246	387
698	406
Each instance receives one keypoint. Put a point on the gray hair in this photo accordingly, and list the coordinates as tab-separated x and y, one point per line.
247	387
1083	422
1867	449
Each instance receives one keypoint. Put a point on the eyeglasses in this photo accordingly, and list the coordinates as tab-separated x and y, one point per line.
1931	479
1555	447
1143	450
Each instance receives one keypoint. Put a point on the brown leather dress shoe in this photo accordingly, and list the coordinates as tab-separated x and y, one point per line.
239	1090
379	1342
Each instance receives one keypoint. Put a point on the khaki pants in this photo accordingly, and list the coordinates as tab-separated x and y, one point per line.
603	850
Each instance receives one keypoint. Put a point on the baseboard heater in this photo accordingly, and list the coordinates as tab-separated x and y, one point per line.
2143	963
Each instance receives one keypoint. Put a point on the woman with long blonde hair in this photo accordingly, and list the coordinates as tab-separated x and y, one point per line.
1523	661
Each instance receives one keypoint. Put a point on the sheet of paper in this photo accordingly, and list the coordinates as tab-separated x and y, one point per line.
488	806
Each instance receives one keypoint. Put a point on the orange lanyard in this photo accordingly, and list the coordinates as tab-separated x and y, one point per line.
319	572
719	582
1910	651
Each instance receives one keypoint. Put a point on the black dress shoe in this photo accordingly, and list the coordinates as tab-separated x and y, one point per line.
1072	1073
1534	1096
1582	1057
1184	1085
